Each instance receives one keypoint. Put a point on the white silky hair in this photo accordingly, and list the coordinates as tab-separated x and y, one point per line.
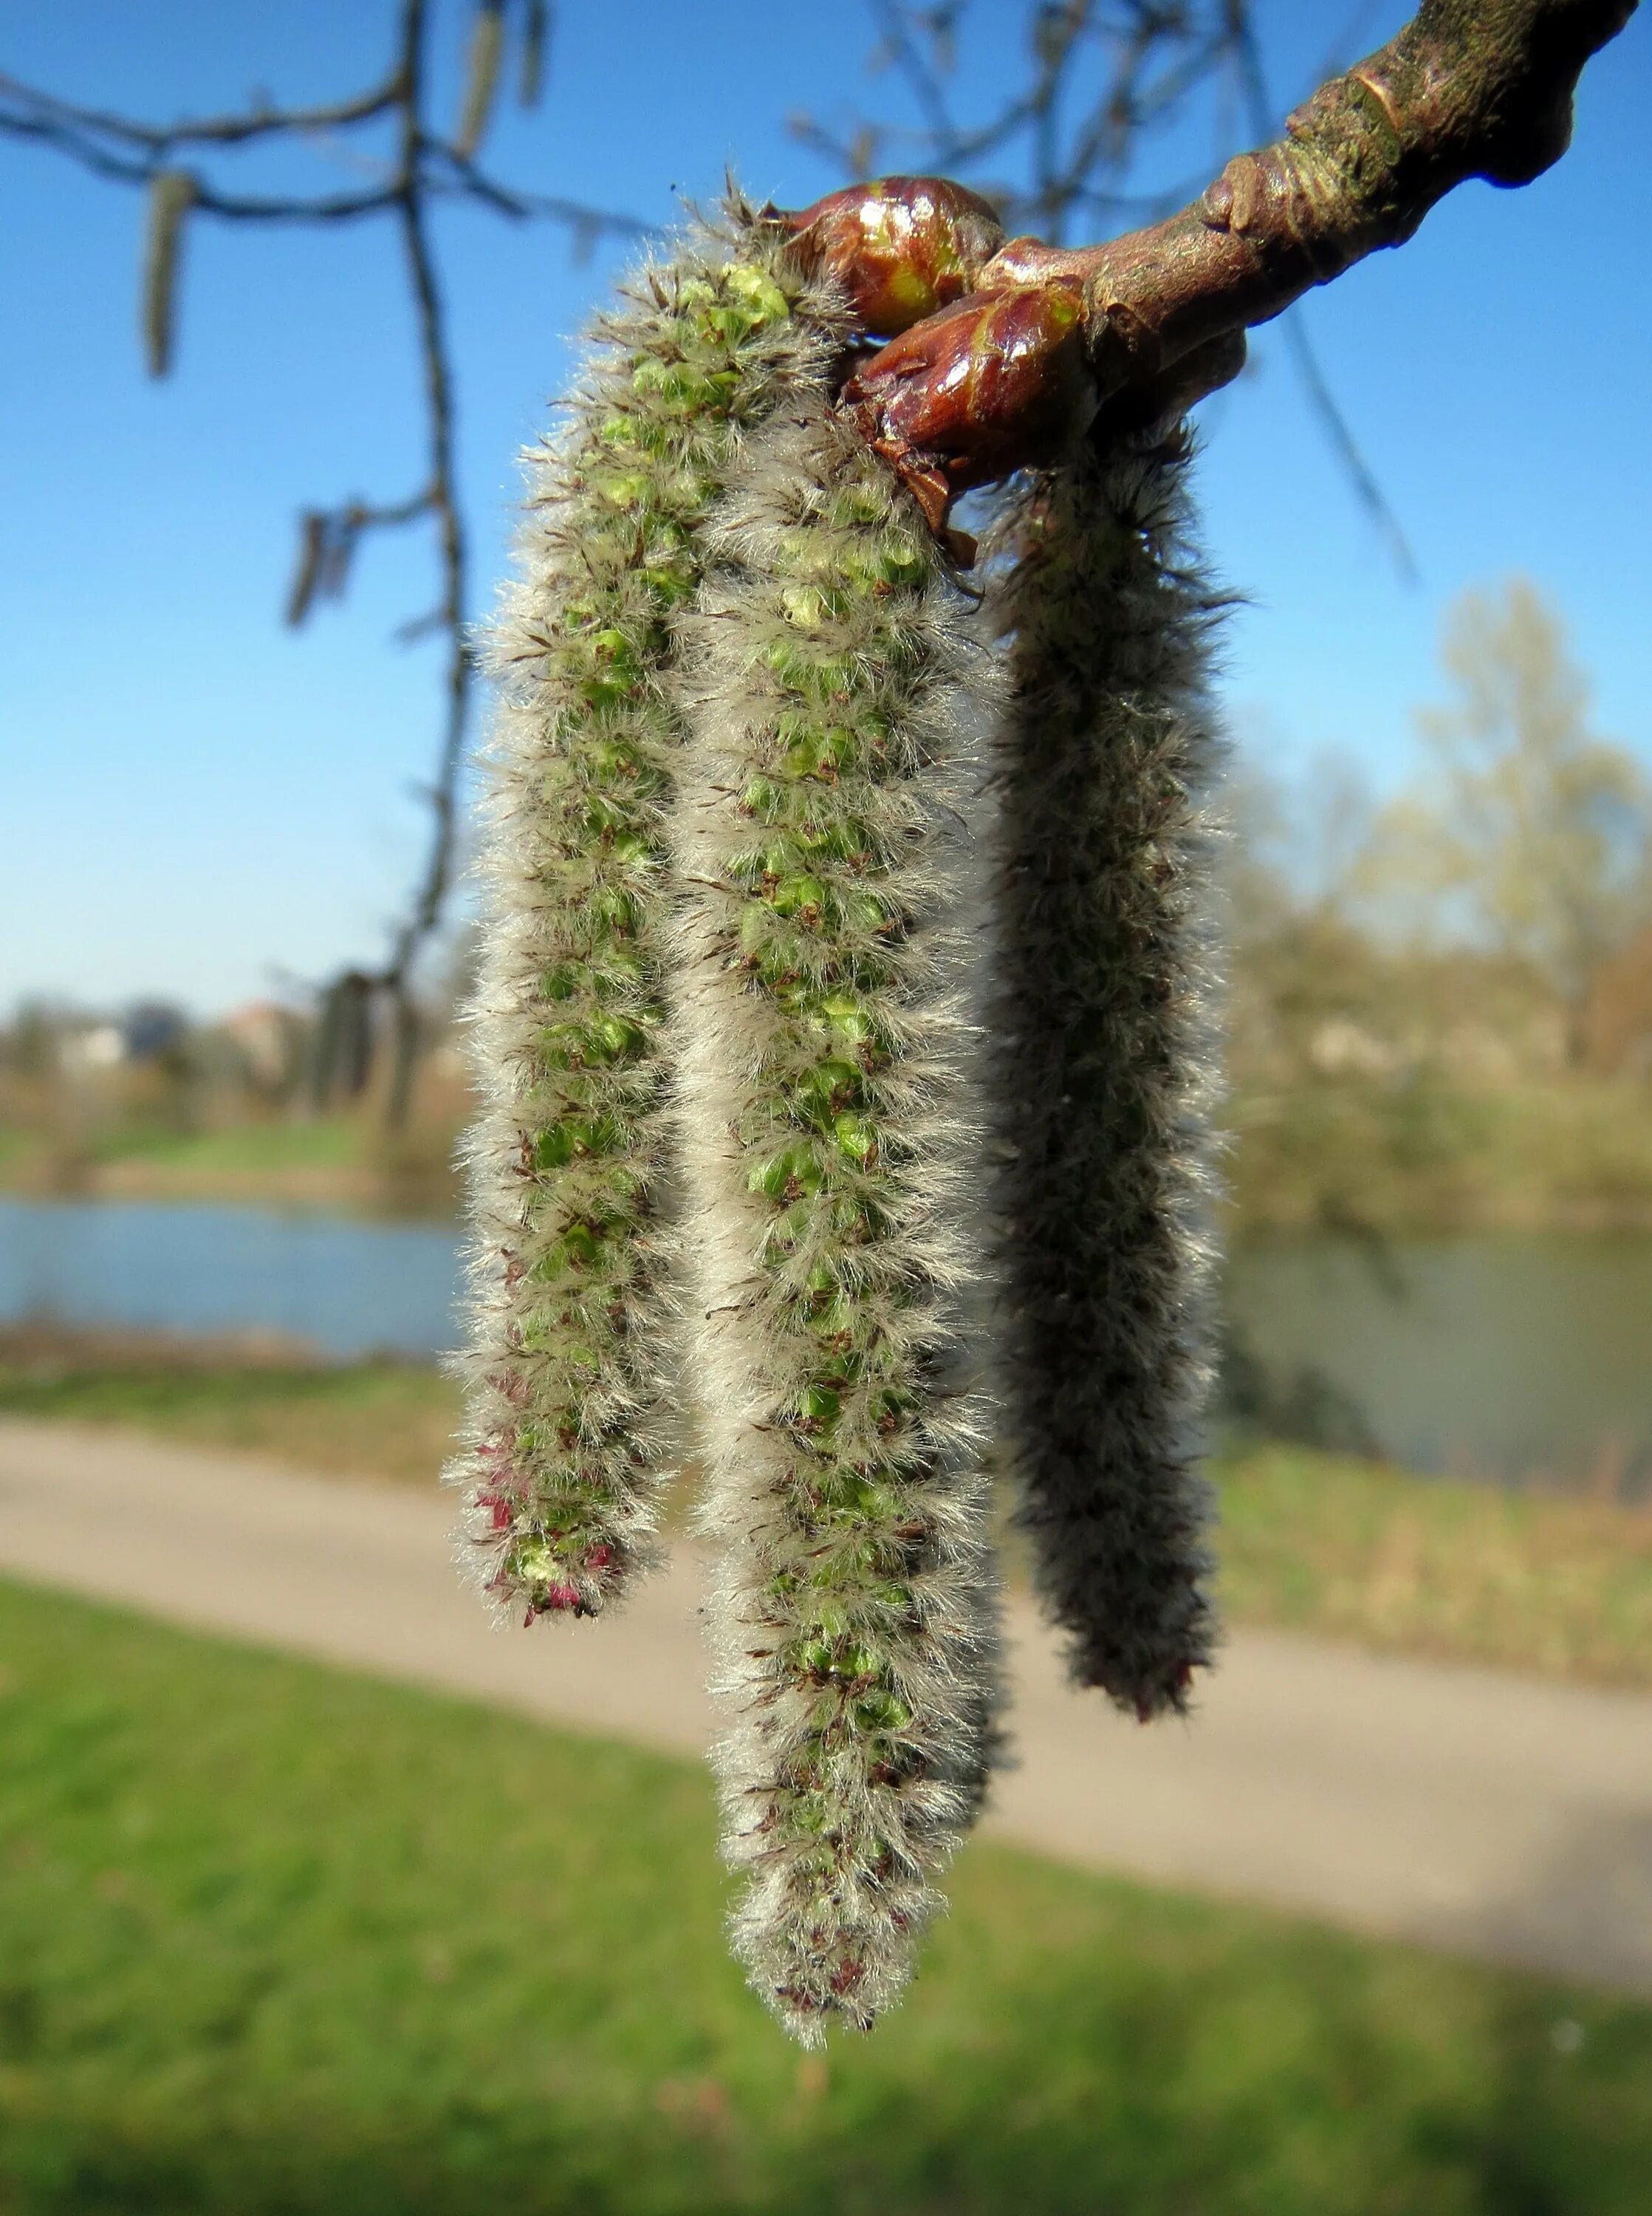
839	1809
571	1430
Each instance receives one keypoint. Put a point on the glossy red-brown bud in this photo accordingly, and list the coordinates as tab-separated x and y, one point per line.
999	383
901	246
1027	260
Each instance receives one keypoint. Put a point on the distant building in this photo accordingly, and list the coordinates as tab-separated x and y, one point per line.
148	1029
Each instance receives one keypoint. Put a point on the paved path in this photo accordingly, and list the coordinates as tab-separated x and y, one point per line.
1482	1813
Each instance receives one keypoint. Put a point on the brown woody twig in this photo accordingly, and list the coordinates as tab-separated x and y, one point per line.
1149	321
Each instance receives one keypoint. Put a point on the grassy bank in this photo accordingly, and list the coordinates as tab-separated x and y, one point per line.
278	1940
367	1420
1317	1543
337	1162
1358	1550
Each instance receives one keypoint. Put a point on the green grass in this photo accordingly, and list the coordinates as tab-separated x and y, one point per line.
1317	1543
242	1155
1357	1550
325	1142
277	1942
370	1420
15	1147
1420	1153
333	1162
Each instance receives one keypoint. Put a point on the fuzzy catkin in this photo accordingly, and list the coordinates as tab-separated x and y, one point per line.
829	1148
569	1363
1104	1061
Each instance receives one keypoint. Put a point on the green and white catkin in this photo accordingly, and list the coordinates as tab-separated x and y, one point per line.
830	1155
569	1363
1105	1059
724	1038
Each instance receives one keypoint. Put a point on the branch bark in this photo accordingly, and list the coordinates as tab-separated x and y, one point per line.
1468	88
161	138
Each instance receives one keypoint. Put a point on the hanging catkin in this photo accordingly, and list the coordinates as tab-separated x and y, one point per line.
171	196
568	1363
1105	1060
481	63
830	1151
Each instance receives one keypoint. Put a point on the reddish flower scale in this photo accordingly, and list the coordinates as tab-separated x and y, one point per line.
900	247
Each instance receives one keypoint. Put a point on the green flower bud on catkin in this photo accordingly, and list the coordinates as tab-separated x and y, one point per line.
569	1365
171	196
1105	1061
830	1151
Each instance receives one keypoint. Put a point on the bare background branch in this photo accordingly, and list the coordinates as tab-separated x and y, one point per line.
171	164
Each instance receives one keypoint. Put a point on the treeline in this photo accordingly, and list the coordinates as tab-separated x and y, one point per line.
1441	1009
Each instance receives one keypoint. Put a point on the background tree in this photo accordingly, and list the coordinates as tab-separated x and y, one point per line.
1102	77
1529	833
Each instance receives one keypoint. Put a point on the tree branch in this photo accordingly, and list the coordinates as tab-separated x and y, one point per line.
468	177
208	199
1153	54
161	138
1321	398
1469	89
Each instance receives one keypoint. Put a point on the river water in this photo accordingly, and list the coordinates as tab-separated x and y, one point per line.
349	1287
1514	1356
1520	1355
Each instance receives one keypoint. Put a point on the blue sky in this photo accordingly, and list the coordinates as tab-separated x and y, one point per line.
193	800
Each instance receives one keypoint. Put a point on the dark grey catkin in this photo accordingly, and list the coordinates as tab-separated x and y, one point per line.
1104	1061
